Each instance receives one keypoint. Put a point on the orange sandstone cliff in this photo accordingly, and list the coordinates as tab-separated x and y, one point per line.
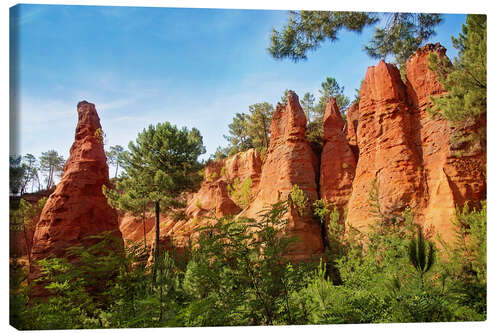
338	162
411	155
290	161
389	142
77	208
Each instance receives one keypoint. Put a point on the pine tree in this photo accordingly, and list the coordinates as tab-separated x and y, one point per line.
307	103
465	79
331	88
161	164
259	124
25	219
399	36
16	174
52	164
114	156
239	139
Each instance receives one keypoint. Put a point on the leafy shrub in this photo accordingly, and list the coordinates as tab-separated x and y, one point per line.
241	193
299	199
239	273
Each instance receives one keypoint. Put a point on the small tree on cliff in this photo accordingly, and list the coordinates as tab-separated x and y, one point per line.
465	79
161	164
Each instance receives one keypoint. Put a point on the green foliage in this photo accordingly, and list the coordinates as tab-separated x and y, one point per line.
223	172
99	136
400	35
333	235
306	30
239	138
241	193
51	163
315	113
259	124
466	258
465	80
31	167
23	218
79	286
212	177
115	156
284	99
248	130
239	273
221	153
16	174
299	199
421	253
330	88
307	103
161	164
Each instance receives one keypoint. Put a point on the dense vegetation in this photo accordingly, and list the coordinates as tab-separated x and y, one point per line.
238	273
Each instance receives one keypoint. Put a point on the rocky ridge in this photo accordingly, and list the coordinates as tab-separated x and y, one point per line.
389	142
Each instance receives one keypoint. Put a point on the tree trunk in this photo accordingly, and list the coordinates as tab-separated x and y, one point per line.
157	238
116	171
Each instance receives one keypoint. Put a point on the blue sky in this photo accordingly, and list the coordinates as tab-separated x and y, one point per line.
141	66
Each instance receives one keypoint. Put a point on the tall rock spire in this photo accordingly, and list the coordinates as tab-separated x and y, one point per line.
338	163
290	161
77	208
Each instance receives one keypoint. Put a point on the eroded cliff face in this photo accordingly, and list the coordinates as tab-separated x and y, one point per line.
77	208
338	162
411	155
389	142
211	201
387	149
290	161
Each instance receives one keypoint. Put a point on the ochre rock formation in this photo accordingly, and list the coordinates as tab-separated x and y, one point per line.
453	174
352	115
338	163
211	201
389	142
387	150
410	154
77	208
290	161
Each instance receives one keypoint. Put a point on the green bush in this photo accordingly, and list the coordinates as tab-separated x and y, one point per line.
239	273
299	199
241	193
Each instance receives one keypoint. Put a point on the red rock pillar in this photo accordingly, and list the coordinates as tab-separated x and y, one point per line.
77	208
